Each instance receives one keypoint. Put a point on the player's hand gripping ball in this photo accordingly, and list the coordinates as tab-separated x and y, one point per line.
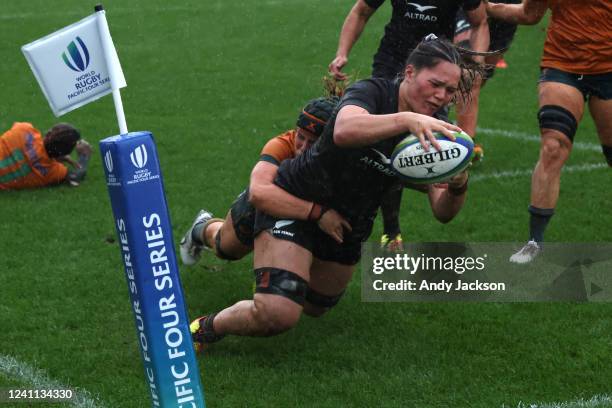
413	164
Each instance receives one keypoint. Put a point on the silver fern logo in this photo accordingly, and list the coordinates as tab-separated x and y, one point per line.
77	58
283	223
139	156
108	161
421	8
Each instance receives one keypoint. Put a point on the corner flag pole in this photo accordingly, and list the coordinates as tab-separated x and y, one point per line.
69	68
112	63
132	171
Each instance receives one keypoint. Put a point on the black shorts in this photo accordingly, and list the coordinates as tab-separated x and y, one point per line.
461	23
501	33
309	236
501	36
243	216
599	85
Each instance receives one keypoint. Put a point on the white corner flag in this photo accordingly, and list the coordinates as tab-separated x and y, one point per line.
77	64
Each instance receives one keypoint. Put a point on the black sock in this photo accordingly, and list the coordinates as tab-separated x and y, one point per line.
209	330
607	151
390	208
196	232
538	220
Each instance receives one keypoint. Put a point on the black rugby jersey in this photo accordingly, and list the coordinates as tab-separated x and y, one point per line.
349	180
412	20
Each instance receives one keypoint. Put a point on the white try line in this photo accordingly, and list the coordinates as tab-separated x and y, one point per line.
598	401
526	137
34	378
527	172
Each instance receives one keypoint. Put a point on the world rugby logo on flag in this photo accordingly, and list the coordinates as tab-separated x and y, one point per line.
139	156
79	55
72	66
108	161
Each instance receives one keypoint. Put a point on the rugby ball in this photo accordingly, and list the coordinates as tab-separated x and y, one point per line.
413	164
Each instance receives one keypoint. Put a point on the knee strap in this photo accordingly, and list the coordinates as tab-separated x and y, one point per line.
558	118
318	299
281	282
607	151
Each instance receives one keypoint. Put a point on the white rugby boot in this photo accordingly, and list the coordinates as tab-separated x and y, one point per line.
527	253
189	249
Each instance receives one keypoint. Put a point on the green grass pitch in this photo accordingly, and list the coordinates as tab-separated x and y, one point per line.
214	80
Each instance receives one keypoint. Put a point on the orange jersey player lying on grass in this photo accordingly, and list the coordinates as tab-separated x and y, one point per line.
27	160
232	238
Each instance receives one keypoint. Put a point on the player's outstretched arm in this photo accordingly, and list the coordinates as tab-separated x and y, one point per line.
529	12
447	199
351	30
356	127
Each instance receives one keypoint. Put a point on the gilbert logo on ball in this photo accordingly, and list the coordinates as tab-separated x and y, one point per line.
412	163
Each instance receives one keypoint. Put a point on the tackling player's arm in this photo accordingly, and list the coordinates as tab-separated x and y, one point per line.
263	193
446	200
529	12
271	199
351	30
